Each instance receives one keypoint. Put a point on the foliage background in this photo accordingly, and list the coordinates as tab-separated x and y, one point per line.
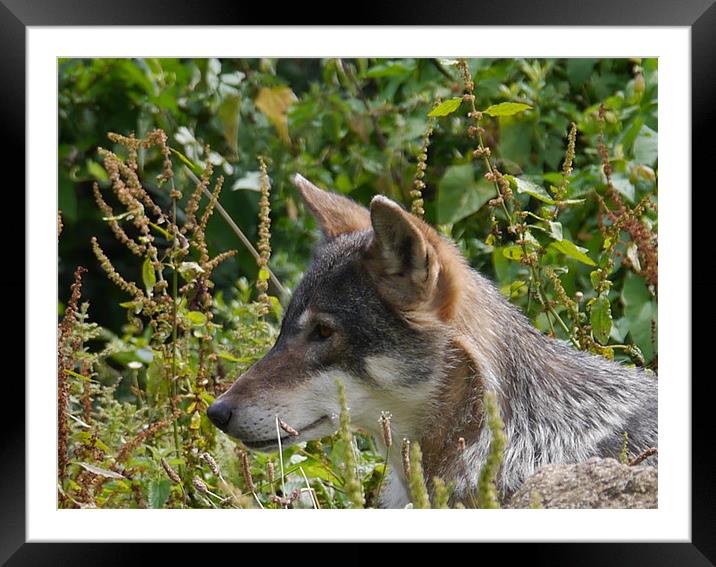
356	127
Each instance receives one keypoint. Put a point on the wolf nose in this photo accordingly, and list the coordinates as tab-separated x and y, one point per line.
219	413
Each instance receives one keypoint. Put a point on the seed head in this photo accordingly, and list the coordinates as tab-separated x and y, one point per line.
287	428
246	470
405	452
171	473
212	463
200	485
385	422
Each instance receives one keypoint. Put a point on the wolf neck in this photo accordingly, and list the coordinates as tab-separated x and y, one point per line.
541	389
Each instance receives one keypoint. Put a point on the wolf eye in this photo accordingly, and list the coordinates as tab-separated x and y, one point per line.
321	332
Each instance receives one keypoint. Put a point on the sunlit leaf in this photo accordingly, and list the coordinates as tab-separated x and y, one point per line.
506	108
196	317
600	317
274	103
197	169
513	252
149	277
573	251
96	171
227	356
447	107
532	189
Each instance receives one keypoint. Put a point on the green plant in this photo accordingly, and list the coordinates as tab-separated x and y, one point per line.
543	171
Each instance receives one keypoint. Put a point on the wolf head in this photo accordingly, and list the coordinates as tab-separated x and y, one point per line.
370	311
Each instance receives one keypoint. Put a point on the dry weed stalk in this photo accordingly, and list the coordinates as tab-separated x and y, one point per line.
628	220
264	244
68	344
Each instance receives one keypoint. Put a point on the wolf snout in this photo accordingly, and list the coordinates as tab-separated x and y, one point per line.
220	414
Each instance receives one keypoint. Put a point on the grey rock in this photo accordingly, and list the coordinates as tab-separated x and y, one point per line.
596	483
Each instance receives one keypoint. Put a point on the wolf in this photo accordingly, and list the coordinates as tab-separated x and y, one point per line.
392	309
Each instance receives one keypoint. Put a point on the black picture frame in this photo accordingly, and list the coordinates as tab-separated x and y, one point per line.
698	15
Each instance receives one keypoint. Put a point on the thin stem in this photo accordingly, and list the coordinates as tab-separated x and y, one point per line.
280	454
242	237
510	219
385	470
175	286
314	499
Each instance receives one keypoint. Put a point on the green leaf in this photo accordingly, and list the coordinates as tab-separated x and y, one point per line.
573	251
264	274
87	439
160	230
532	189
515	289
459	195
251	181
97	171
76	375
516	139
196	317
622	184
276	307
555	230
119	217
506	108
390	69
640	311
579	71
186	161
646	146
513	252
159	492
315	469
135	306
230	115
189	270
600	317
227	356
447	107
149	277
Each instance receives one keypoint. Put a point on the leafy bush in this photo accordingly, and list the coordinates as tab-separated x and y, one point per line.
543	171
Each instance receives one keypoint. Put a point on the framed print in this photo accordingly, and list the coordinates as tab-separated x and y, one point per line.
170	153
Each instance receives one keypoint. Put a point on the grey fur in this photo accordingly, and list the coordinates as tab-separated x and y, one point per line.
559	405
337	283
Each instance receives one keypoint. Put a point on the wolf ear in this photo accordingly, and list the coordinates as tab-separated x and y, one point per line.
401	256
335	214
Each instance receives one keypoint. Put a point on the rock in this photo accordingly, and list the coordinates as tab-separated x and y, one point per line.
596	483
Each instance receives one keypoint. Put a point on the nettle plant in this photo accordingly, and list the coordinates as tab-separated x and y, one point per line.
140	438
531	248
133	430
